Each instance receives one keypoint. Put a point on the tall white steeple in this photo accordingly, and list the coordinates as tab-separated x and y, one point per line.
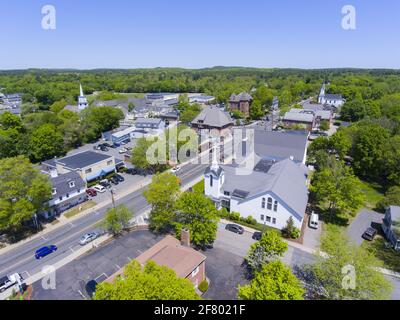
215	164
82	101
321	97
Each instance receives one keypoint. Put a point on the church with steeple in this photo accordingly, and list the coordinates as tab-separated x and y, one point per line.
335	100
82	102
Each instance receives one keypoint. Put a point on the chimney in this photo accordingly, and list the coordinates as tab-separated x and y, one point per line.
185	238
53	173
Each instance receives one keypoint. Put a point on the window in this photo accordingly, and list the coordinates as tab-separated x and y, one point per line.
195	271
274	220
263	203
268	219
276	206
71	184
269	205
60	198
88	171
262	217
54	191
109	163
211	181
226	193
67	195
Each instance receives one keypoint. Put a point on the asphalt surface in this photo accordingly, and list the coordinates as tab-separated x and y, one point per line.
66	237
365	219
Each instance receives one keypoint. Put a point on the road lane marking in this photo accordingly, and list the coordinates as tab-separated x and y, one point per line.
118	267
44	238
129	258
80	292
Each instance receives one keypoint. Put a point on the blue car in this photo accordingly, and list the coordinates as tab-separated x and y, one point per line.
42	252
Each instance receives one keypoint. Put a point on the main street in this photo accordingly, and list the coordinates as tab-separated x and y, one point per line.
66	237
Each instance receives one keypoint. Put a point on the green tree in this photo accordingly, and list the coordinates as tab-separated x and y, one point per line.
198	214
392	198
117	219
58	106
45	143
290	231
350	264
274	281
10	121
336	188
24	191
256	110
152	282
161	195
270	247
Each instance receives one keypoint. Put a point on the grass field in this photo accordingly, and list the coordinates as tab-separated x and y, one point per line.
84	206
384	252
373	194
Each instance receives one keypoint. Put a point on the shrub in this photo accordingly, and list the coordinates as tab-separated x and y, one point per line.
251	220
203	286
224	213
290	231
235	216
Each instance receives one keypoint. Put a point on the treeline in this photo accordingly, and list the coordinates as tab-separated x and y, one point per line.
44	135
44	87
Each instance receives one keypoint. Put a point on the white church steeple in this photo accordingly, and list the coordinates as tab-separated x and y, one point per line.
82	101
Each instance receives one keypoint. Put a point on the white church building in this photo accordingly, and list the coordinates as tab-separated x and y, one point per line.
271	193
82	102
335	100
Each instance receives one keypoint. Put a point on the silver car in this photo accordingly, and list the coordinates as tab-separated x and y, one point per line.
88	237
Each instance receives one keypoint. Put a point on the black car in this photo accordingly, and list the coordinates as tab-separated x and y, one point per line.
257	235
234	228
114	180
369	234
103	148
105	184
91	287
131	171
119	177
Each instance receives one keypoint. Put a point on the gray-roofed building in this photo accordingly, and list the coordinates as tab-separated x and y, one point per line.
273	145
68	190
271	193
89	165
150	123
299	117
212	120
335	100
391	226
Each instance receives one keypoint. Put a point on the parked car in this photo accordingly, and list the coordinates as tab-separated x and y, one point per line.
119	177
99	188
114	180
131	171
105	183
122	150
116	145
9	281
96	147
91	192
91	287
104	148
314	221
369	234
45	251
234	228
175	170
88	237
257	235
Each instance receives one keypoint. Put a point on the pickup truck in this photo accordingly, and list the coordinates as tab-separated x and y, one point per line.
9	281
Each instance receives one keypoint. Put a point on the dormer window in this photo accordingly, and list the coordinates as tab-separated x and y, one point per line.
72	184
54	191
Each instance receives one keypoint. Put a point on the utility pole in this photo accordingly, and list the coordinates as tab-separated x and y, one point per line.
112	197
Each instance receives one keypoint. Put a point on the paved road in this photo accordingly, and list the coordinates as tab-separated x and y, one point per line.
365	218
66	237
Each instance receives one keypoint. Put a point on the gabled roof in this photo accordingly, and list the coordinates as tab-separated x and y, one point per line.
330	96
62	183
213	116
244	96
299	116
285	179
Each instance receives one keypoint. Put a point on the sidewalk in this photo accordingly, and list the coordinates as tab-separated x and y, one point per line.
63	220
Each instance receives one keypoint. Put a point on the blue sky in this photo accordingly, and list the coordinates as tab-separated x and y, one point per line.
196	34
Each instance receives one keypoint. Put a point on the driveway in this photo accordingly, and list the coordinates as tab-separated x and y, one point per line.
98	264
311	237
365	218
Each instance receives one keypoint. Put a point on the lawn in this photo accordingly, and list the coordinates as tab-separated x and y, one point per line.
84	206
384	252
373	194
199	187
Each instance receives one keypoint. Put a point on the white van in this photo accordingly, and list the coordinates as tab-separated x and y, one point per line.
314	221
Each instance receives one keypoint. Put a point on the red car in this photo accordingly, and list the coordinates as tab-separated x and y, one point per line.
91	192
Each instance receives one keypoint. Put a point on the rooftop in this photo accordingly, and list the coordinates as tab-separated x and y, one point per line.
213	116
61	183
299	116
82	160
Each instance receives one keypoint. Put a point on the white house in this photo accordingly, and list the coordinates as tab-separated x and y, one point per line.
271	193
335	100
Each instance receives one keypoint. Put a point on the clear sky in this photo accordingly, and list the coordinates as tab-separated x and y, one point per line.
195	34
